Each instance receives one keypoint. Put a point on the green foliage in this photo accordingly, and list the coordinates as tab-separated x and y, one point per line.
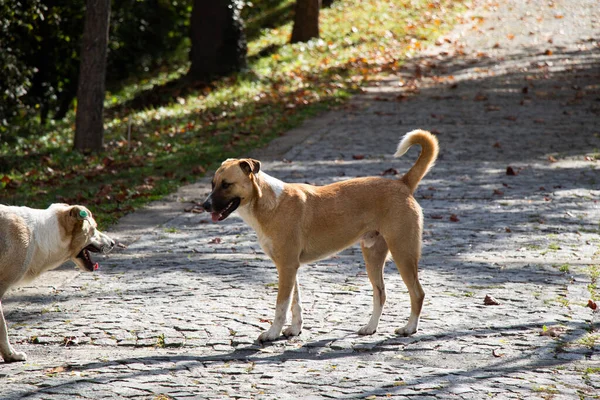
145	34
17	21
40	42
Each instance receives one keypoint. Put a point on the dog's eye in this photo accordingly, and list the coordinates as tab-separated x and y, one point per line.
225	185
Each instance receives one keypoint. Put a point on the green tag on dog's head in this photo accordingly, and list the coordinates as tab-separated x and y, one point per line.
83	214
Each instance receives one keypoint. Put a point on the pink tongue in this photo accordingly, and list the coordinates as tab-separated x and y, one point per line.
96	266
215	216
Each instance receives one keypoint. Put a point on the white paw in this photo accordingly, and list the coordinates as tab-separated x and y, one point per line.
367	330
268	336
292	330
406	331
15	356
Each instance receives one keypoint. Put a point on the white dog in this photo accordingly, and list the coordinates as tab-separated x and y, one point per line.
33	241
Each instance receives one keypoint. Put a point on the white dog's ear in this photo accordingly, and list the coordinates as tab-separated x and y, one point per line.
250	165
79	213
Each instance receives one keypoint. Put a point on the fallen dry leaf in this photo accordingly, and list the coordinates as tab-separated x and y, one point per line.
490	301
553	331
454	218
496	354
497	145
552	159
510	171
55	370
215	241
390	171
358	156
198	170
592	304
498	192
435	216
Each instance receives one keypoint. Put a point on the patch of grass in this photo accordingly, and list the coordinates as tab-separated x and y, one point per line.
151	148
554	246
563	301
590	340
565	268
551	389
171	230
160	341
162	397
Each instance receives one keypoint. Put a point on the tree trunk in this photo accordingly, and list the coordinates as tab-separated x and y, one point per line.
306	20
218	41
89	131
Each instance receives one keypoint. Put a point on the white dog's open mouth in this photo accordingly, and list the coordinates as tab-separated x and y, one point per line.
231	207
86	260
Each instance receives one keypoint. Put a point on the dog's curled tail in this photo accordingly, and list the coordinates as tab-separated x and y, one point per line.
429	153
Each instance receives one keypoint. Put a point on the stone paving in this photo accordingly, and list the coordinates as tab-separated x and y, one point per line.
511	211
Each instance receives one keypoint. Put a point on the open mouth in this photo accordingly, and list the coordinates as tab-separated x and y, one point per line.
84	256
231	207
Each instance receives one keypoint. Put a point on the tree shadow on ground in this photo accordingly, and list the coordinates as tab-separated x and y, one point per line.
484	371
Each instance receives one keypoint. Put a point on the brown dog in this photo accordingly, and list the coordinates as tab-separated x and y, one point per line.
33	241
298	224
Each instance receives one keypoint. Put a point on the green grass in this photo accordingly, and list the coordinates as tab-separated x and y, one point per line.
589	340
151	148
160	341
565	268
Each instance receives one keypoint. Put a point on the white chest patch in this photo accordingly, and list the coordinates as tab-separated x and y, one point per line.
275	184
263	240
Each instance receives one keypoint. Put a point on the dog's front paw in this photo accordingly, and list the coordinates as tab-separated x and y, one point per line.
405	330
15	356
367	330
269	335
292	331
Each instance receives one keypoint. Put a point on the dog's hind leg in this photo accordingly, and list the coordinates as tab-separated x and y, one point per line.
287	281
407	263
375	252
8	353
296	327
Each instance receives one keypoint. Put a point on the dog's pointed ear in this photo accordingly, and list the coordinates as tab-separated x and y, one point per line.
79	213
250	165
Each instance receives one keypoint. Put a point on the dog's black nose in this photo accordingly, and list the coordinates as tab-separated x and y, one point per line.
112	243
207	205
